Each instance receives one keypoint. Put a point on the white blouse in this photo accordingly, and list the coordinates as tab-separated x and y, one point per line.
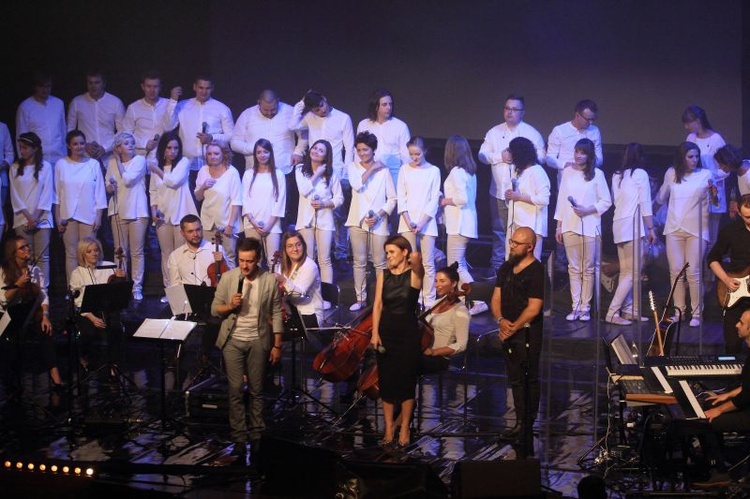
708	147
592	193
378	193
260	202
630	189
28	193
688	202
219	199
303	289
130	201
419	194
451	327
171	194
79	190
84	276
307	191
534	183
461	219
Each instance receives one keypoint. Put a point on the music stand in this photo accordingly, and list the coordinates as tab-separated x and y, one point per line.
108	298
199	300
295	329
163	331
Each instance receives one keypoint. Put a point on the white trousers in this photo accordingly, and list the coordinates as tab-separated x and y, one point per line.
681	248
169	238
582	258
427	247
271	243
361	253
322	241
74	232
455	251
131	236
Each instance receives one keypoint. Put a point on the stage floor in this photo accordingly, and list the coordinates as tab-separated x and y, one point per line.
131	438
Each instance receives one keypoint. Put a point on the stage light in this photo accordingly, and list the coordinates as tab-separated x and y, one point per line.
19	465
30	466
77	470
8	464
65	469
53	468
42	467
89	472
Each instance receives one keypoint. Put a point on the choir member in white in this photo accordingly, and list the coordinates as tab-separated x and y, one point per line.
729	159
300	279
418	193
128	206
98	114
170	197
31	194
708	141
528	193
219	187
373	200
631	195
43	114
494	152
564	137
6	159
80	198
459	205
319	193
581	201
264	199
686	189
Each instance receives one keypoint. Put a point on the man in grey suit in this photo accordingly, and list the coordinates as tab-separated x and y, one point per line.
248	300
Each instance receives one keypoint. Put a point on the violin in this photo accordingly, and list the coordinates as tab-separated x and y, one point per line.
120	257
219	267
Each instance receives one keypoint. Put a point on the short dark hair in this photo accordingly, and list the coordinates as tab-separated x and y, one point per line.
151	74
586	104
515	97
399	241
313	99
91	73
188	219
729	156
250	244
744	201
366	138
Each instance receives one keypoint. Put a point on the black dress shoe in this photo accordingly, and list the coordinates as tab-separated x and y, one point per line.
239	449
512	433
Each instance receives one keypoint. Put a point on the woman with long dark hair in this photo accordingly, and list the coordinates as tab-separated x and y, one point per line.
581	201
264	199
631	190
300	278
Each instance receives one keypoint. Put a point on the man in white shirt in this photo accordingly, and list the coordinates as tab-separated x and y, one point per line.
494	152
322	121
144	118
44	114
98	114
8	155
201	120
562	140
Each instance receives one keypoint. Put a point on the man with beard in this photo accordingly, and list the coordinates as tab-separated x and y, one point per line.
517	306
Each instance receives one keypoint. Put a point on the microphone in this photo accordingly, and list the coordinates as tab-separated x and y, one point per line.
112	181
572	202
239	287
370	214
75	294
514	184
64	222
413	225
204	127
261	224
157	137
381	349
316	198
104	267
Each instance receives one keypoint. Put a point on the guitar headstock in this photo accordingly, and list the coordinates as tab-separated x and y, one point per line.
652	301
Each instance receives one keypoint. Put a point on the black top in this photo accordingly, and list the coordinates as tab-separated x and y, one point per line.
734	241
742	401
516	289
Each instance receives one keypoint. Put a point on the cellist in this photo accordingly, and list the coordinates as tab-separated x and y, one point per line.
449	319
191	263
23	297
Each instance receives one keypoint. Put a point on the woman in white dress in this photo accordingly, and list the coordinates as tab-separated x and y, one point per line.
264	199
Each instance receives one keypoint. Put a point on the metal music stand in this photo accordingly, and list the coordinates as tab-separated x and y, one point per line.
295	329
199	300
108	298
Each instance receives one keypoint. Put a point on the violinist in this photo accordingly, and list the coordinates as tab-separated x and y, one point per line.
21	292
107	325
300	279
449	320
396	332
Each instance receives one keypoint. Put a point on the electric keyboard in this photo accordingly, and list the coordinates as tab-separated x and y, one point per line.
698	366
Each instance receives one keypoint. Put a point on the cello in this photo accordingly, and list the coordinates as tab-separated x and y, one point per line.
340	359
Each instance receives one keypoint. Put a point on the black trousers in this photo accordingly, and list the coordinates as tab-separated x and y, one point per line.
515	353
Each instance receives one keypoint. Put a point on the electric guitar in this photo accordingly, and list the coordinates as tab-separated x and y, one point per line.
727	298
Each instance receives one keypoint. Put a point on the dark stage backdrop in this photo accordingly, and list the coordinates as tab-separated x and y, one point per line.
449	63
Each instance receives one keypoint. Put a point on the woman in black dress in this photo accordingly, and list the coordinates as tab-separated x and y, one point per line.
394	328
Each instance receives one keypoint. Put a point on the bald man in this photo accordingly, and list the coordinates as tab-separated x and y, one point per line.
517	304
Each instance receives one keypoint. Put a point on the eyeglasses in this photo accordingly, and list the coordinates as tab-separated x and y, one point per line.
513	109
587	120
513	242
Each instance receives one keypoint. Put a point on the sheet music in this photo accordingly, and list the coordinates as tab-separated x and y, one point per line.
178	300
165	329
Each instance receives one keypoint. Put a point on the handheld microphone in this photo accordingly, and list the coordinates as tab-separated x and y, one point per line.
413	225
572	202
514	184
381	349
204	127
370	214
112	181
316	197
261	224
64	222
157	137
239	284
105	267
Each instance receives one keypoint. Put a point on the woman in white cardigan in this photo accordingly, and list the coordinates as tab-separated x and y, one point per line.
31	194
528	198
264	199
686	188
373	199
631	190
80	198
581	201
128	207
418	193
170	197
319	193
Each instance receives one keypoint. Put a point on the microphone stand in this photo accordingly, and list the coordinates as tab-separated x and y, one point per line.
527	433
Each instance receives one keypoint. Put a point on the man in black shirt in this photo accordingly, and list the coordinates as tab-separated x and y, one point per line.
517	306
733	241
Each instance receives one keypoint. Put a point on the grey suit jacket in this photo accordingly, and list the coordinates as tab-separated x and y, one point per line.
269	320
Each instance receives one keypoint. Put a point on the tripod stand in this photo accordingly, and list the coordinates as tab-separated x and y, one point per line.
295	329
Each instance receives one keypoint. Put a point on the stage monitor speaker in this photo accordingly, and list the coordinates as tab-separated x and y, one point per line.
519	479
296	470
366	480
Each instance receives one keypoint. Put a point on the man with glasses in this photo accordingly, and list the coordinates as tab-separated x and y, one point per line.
733	240
494	152
562	140
517	304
